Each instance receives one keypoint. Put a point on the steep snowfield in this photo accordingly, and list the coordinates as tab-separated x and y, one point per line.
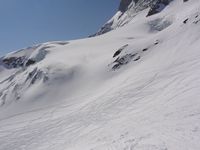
135	88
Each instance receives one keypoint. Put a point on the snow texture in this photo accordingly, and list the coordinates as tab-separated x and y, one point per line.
134	88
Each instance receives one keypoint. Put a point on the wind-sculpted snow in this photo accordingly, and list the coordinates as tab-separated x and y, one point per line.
135	88
51	78
24	76
159	24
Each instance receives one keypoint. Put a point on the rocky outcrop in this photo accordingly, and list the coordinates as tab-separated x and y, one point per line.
28	56
124	5
13	62
158	6
128	9
124	57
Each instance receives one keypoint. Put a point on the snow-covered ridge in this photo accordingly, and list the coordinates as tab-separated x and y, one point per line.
28	56
23	70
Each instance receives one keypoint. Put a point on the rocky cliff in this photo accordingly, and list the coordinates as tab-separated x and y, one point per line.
128	9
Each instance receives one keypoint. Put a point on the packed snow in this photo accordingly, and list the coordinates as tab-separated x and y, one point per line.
134	88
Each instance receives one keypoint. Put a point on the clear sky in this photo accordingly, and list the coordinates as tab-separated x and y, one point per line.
27	22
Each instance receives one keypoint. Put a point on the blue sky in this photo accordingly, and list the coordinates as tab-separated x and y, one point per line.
27	22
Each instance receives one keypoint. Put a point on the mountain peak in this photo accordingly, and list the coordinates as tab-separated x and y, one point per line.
124	5
128	9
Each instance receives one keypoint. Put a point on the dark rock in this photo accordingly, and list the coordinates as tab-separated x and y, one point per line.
13	62
37	76
116	66
30	62
195	22
124	5
158	6
125	59
117	53
138	58
17	62
31	74
145	49
185	21
156	43
119	50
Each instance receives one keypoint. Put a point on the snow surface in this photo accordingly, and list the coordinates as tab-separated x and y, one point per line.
72	99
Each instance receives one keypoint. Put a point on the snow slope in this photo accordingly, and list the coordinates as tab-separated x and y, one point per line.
134	88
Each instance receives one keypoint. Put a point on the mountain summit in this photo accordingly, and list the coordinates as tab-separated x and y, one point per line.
133	88
124	4
128	9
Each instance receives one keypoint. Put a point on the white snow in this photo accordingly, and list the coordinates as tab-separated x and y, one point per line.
72	99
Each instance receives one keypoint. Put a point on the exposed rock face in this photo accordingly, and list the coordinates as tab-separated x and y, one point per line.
124	5
139	5
158	6
28	56
13	62
17	62
128	9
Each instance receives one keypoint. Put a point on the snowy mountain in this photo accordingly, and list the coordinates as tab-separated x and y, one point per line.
133	88
128	9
